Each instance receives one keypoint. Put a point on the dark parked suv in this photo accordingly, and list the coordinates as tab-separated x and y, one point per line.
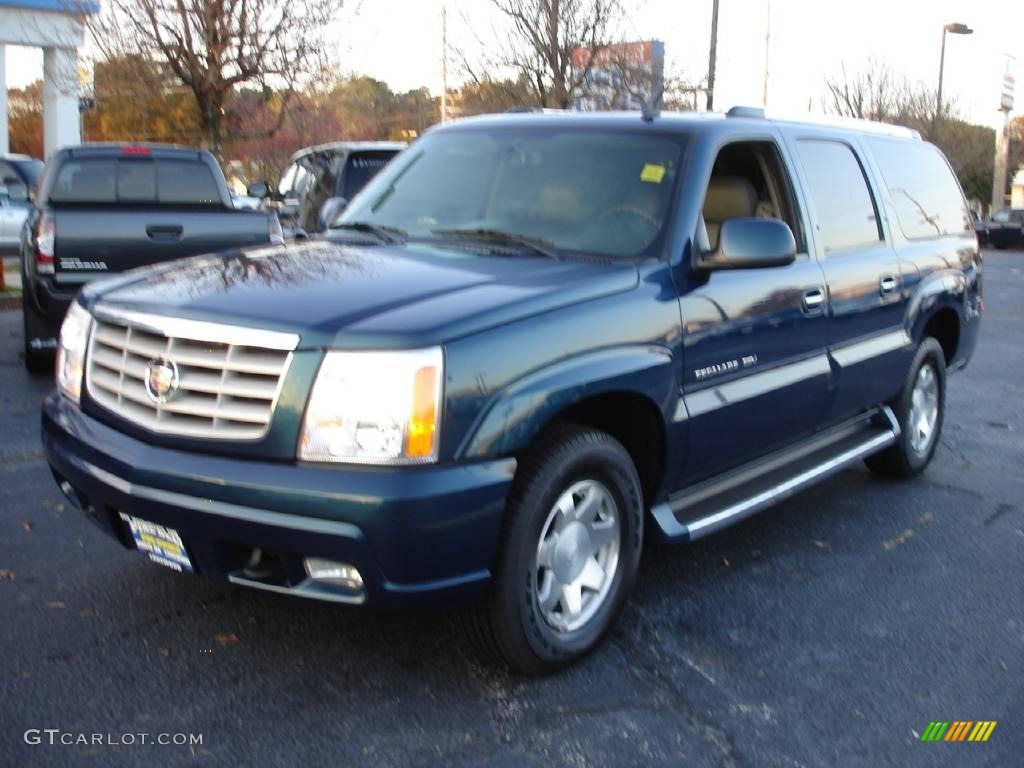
529	343
320	181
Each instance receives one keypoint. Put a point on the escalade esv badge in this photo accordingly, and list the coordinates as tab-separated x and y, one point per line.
161	380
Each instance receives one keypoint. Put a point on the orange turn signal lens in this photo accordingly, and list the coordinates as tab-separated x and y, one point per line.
420	443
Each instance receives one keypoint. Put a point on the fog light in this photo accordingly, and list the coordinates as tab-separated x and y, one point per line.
334	573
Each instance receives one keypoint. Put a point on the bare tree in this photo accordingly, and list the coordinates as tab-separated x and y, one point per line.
214	46
877	93
538	41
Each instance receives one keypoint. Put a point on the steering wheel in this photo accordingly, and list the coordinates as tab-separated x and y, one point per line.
620	211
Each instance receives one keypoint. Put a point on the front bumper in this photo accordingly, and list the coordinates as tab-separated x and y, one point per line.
418	535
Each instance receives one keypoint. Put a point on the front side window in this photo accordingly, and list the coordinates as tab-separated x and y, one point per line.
287	179
597	192
846	214
924	192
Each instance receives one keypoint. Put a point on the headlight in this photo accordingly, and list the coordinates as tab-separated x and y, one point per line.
74	335
374	408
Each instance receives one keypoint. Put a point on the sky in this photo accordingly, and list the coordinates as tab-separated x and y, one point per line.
399	41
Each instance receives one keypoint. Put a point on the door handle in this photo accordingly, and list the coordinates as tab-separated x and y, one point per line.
164	231
814	301
887	284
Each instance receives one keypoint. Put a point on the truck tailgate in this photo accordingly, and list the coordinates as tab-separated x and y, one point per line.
93	241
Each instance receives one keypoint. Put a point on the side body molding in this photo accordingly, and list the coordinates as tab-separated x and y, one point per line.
517	413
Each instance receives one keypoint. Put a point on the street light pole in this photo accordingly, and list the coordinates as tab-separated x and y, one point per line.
955	29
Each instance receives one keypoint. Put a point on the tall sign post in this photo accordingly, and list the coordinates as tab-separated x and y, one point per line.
1002	140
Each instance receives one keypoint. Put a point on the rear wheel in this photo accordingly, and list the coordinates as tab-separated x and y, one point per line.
919	410
569	552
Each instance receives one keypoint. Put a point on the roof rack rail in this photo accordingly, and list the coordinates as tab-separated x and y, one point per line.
544	110
741	111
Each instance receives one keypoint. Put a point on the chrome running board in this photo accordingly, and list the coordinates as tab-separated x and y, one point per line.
723	501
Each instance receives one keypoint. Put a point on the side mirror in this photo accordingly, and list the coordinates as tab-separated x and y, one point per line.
750	244
331	208
258	189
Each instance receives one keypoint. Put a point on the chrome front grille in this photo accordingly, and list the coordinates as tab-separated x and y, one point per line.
228	377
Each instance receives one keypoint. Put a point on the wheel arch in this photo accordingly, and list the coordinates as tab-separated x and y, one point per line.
628	392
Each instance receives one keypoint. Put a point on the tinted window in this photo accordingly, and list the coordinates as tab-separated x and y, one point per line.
86	180
597	192
136	181
186	182
924	192
846	215
360	168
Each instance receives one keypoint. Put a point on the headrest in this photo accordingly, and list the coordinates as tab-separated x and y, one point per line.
729	197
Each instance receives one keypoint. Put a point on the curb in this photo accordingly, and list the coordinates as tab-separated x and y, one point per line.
10	302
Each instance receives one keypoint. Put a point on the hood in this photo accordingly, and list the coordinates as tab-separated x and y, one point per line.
346	295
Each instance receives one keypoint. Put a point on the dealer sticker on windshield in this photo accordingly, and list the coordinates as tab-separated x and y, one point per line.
653	174
162	544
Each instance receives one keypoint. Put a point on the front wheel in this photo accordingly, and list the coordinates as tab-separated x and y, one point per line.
569	552
919	410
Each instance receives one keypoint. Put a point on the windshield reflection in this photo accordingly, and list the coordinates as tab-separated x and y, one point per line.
606	193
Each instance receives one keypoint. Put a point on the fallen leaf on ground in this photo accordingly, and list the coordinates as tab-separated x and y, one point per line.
165	652
55	604
26	526
821	544
927	517
7	575
228	639
903	538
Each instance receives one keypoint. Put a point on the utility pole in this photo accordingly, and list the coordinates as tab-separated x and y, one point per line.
1002	140
713	54
767	49
444	61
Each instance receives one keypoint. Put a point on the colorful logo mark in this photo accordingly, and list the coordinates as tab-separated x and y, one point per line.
958	730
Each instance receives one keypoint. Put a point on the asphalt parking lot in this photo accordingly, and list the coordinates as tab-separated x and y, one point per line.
827	632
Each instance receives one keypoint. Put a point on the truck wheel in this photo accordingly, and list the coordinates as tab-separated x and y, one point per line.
36	362
919	410
569	552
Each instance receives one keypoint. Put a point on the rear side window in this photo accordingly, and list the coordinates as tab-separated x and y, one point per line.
142	181
846	214
924	192
360	168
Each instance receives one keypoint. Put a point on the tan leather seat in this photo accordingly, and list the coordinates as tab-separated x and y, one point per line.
728	197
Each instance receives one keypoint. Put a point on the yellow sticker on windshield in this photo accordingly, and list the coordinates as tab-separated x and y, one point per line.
652	173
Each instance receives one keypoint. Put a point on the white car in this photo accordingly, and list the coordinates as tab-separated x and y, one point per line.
12	216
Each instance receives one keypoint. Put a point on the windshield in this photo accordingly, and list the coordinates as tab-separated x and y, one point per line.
597	192
1001	216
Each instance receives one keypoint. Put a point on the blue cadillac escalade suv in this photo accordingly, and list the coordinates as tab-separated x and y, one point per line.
530	342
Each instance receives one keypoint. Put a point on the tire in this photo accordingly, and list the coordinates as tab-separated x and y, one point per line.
596	472
36	362
912	452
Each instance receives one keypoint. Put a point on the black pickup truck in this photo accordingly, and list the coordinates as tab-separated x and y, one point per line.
105	208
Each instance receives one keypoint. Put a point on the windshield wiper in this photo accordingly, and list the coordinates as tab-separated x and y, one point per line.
537	245
390	235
